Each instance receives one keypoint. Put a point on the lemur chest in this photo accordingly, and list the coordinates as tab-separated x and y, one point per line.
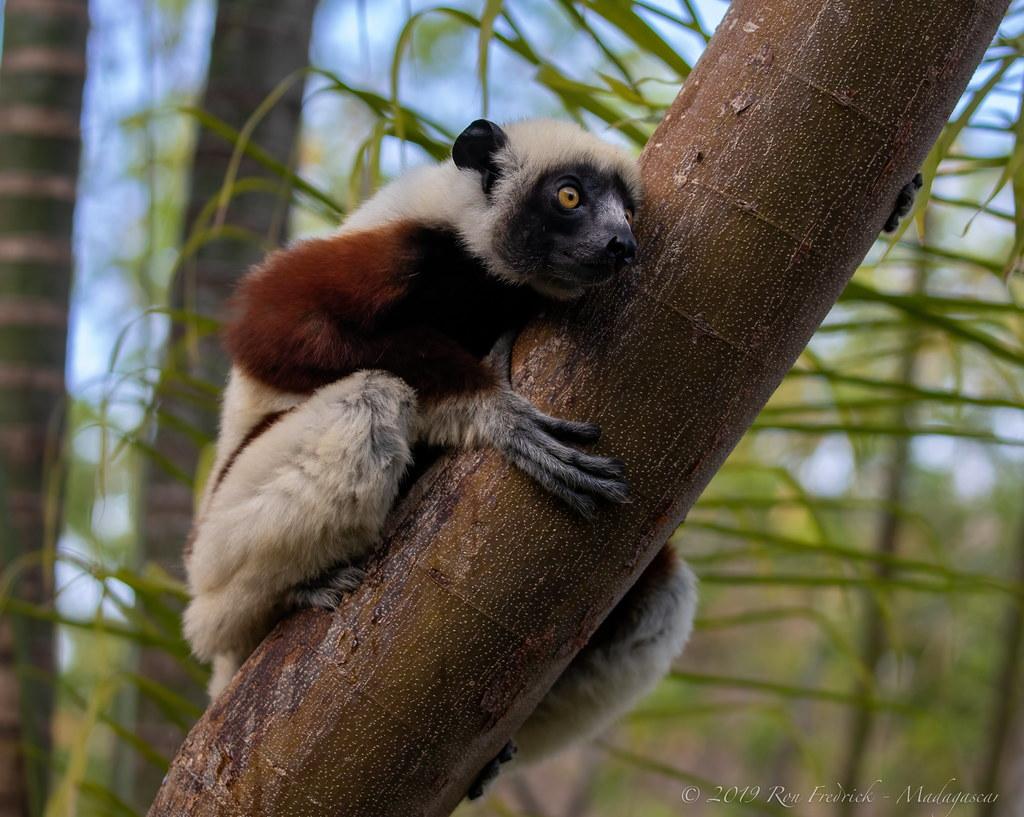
451	292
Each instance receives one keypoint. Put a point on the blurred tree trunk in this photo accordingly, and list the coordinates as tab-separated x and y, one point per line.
996	773
256	45
41	77
767	183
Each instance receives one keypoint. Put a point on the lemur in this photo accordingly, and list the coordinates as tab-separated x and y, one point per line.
350	350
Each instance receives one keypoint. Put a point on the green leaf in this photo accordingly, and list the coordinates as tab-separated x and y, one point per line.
649	41
492	8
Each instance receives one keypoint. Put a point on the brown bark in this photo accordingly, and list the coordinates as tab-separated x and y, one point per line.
41	75
256	45
767	183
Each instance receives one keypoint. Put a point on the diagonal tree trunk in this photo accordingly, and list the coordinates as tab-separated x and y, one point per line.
41	75
767	183
256	45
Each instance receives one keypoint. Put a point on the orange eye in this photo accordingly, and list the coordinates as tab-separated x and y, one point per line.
629	218
569	197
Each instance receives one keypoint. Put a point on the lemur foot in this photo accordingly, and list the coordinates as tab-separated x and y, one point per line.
489	773
535	443
328	589
904	203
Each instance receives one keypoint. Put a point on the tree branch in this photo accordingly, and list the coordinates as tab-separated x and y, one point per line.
767	183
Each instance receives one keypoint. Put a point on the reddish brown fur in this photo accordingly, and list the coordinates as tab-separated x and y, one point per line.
287	310
327	307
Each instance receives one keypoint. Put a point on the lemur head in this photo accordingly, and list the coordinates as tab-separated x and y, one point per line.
559	204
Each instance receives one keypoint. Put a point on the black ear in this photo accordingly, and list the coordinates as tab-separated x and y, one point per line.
476	149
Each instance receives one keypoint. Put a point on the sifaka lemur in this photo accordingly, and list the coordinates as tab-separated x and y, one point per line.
350	350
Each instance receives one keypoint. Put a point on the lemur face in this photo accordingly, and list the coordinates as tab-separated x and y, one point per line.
562	223
573	228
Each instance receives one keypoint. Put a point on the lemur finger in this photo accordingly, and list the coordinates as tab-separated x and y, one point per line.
486	776
606	467
570	431
500	356
610	489
584	505
603	477
508	751
904	203
489	772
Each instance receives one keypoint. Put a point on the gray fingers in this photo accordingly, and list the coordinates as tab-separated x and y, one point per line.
579	479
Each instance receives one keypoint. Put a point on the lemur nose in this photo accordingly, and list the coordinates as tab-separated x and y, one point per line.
622	248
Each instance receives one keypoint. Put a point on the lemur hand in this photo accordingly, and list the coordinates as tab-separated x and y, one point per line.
904	203
535	443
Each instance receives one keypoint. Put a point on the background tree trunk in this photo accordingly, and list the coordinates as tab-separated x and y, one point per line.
41	77
997	763
888	539
767	183
256	45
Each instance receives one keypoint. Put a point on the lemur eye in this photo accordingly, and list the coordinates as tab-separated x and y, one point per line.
569	197
629	217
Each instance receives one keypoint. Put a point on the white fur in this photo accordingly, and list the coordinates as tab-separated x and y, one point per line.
244	403
310	492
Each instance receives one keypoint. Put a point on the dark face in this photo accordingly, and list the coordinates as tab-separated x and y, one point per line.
571	231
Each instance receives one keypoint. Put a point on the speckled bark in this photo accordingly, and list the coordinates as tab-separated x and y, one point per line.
768	181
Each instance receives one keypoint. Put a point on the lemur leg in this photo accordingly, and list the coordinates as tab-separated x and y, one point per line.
305	498
328	589
629	654
904	203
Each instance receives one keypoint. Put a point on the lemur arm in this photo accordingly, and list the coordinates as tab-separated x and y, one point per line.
533	441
